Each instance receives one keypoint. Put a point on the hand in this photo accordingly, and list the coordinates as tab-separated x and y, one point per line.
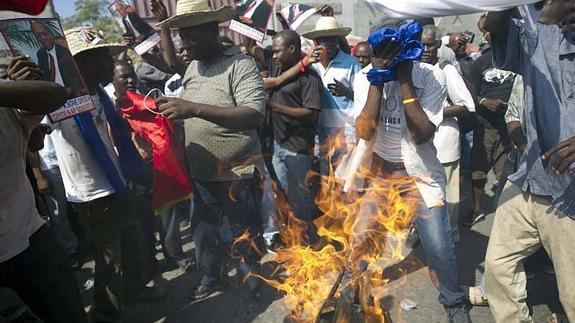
404	70
384	55
338	89
565	156
129	40
326	11
20	69
159	10
42	184
310	59
246	20
176	108
494	105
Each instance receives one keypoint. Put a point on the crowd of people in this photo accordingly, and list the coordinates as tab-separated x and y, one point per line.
247	130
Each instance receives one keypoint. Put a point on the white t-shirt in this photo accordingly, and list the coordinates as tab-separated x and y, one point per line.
19	218
446	138
420	161
84	179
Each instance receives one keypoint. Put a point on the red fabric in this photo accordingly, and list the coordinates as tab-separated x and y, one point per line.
31	7
171	179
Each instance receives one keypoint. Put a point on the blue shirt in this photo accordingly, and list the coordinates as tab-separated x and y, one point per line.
337	111
545	58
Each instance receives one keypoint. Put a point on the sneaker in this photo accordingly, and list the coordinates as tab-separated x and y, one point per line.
477	217
412	239
476	297
204	291
458	314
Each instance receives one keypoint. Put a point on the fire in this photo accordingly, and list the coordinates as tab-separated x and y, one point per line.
361	234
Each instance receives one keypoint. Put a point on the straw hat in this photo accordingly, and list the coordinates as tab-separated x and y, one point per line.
327	27
190	13
85	38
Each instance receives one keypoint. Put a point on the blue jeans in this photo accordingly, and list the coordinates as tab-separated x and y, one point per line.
434	230
234	205
268	209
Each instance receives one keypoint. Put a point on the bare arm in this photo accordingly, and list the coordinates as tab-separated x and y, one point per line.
37	97
255	51
418	123
238	118
293	71
454	111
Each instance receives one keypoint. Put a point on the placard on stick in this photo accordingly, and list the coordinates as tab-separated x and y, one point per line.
42	39
131	24
251	18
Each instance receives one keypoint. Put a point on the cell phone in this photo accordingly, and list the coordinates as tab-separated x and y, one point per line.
470	36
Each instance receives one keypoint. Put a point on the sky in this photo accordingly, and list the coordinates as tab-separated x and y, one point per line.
65	8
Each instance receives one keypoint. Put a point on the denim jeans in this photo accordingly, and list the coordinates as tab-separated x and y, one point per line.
268	209
57	206
433	226
42	277
238	202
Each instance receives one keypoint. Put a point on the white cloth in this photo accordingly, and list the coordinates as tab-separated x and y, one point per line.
83	177
169	89
19	218
58	77
441	8
446	139
420	161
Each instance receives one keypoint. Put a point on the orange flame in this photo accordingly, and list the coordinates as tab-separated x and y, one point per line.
355	227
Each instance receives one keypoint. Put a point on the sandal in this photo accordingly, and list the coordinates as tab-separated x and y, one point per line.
476	297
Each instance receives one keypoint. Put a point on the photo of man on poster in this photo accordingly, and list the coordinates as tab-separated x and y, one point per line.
132	24
255	13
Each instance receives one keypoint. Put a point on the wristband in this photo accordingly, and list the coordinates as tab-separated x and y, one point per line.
409	101
301	66
481	101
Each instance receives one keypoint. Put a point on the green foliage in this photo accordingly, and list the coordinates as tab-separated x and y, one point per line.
94	13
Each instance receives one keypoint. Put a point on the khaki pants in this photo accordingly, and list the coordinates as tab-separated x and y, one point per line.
522	224
452	196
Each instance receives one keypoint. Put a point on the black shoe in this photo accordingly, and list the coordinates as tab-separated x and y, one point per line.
458	314
477	217
412	240
204	291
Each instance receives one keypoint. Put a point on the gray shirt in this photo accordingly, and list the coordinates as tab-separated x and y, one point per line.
544	57
216	153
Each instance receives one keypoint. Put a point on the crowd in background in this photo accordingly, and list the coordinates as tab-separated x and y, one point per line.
248	125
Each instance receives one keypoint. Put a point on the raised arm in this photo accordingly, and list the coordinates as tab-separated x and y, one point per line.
161	13
497	23
293	71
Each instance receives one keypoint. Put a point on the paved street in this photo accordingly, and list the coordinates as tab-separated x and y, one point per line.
415	286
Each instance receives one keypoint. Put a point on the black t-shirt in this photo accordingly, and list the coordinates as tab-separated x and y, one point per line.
303	91
491	83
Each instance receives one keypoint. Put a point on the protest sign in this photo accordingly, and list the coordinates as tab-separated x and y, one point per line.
134	26
294	14
42	39
251	18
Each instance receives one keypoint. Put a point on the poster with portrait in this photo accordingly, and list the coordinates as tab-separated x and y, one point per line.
251	18
134	26
42	39
295	14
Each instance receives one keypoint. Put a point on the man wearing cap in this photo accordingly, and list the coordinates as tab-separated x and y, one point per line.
95	176
223	105
337	71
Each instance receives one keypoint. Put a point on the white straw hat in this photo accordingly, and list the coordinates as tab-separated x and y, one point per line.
327	27
191	13
85	38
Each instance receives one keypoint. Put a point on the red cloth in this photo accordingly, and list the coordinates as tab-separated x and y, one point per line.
31	7
171	179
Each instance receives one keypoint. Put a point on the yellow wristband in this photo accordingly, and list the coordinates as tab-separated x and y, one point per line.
409	101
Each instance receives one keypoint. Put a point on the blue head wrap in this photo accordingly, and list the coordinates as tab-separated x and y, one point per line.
411	49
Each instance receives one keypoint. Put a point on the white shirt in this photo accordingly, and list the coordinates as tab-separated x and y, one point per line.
58	77
84	179
19	218
446	138
420	161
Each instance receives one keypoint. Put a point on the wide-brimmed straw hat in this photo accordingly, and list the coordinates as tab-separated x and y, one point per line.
327	27
86	38
190	13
